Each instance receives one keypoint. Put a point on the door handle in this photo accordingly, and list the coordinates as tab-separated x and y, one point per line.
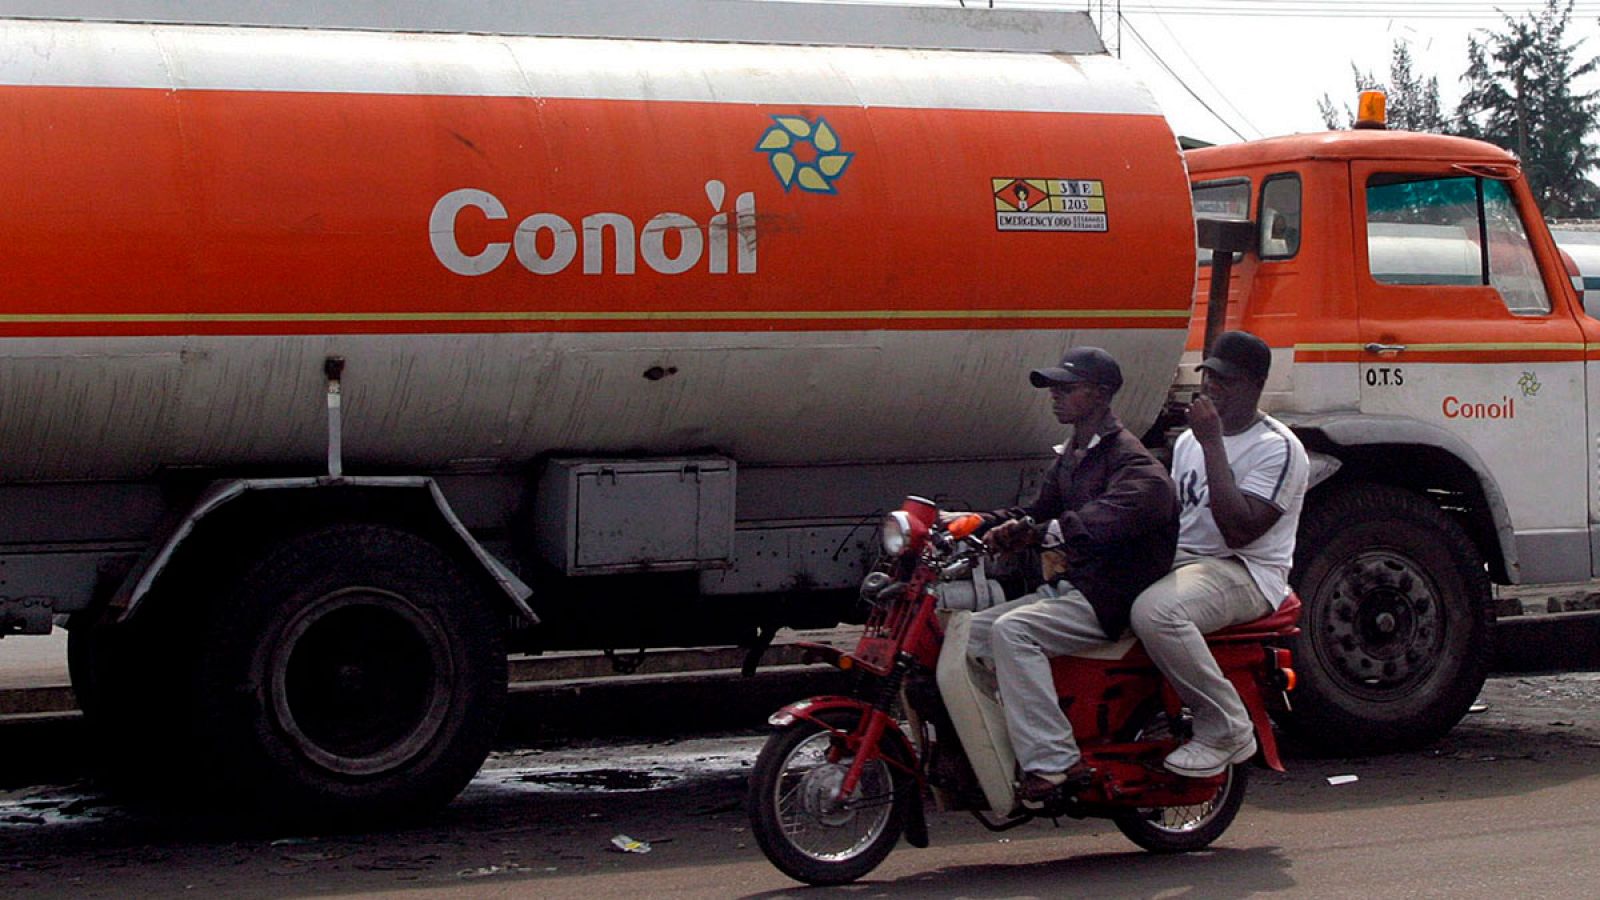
1381	349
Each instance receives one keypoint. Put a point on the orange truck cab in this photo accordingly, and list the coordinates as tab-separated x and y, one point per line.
1433	354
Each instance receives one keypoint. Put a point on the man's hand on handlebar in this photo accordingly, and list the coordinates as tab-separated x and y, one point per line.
1009	537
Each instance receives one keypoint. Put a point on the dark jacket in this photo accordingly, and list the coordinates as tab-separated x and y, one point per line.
1119	520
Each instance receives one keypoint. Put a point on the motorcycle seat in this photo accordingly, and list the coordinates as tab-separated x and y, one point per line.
1281	622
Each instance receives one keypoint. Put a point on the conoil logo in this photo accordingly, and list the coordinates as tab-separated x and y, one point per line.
804	153
1455	407
545	243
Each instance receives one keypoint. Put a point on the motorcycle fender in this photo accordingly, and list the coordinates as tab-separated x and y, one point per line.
812	709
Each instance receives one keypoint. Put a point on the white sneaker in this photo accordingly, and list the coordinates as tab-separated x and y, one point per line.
1198	760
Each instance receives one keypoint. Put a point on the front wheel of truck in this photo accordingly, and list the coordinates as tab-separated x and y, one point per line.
351	673
1395	640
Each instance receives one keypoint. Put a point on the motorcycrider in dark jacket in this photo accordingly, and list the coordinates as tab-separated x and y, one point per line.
1118	515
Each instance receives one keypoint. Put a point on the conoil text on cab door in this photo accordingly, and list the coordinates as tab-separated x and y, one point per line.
1456	408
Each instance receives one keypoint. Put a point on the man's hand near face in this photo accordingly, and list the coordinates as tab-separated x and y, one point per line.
1204	421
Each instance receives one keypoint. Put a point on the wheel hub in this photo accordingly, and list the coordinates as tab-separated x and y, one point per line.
351	681
819	794
359	682
1382	625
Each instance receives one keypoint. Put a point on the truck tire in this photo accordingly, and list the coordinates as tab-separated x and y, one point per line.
351	673
1395	639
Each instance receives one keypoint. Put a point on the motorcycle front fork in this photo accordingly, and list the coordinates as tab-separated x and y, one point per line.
879	719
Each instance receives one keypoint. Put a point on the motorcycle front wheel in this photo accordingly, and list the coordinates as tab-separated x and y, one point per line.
1185	829
800	822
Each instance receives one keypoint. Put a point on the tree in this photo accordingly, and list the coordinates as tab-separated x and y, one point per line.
1520	96
1413	101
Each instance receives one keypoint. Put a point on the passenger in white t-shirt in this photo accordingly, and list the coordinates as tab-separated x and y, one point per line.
1241	480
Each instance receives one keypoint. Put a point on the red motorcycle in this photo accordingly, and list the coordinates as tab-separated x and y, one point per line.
843	778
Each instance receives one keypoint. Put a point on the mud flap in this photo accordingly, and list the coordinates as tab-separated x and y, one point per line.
979	719
1250	692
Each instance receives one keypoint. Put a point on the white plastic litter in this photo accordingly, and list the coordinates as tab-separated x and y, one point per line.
630	845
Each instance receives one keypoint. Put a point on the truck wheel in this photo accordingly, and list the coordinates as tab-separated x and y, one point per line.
353	673
1394	640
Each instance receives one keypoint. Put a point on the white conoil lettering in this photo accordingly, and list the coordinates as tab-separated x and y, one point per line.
545	243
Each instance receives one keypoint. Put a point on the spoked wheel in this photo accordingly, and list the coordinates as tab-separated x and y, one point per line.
1183	829
801	823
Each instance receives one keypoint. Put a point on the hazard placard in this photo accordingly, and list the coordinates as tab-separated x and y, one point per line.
1049	204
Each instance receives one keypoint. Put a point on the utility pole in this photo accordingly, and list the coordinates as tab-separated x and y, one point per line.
1111	36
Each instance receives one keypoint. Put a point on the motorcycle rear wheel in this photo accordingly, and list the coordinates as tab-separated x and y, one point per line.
798	824
1185	829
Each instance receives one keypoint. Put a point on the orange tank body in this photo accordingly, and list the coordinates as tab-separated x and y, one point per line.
524	243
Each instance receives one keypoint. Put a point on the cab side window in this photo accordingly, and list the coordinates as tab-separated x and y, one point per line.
1459	230
1512	268
1227	198
1280	217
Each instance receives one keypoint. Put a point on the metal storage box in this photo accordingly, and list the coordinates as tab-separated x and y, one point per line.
605	516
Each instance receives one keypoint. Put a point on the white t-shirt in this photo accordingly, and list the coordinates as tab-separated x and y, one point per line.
1268	462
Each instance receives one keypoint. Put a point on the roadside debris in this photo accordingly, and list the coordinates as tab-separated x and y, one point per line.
630	845
486	871
1337	780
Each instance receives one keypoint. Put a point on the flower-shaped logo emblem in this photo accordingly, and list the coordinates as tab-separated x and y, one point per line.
804	153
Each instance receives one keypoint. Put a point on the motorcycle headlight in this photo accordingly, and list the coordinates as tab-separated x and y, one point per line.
896	532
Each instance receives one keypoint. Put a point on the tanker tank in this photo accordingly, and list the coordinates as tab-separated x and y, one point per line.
524	244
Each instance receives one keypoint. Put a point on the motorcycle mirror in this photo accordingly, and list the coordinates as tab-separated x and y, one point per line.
964	525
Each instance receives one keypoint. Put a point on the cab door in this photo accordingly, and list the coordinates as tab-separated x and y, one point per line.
1462	328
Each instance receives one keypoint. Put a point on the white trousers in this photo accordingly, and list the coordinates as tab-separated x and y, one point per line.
1020	637
1171	619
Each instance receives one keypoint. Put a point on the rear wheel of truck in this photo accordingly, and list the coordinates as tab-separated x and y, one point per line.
351	673
1395	639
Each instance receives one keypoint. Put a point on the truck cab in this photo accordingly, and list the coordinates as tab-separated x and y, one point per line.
1432	353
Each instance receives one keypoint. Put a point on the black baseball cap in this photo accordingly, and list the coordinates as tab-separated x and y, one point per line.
1240	354
1081	364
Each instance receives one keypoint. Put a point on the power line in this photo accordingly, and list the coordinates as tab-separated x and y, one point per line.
1359	9
1193	63
1321	7
1179	79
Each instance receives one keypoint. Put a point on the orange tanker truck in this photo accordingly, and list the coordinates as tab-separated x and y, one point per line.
344	351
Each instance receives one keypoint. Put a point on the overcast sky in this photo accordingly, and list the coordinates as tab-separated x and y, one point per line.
1225	70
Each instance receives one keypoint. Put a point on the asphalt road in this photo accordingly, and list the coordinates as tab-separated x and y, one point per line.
1508	805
